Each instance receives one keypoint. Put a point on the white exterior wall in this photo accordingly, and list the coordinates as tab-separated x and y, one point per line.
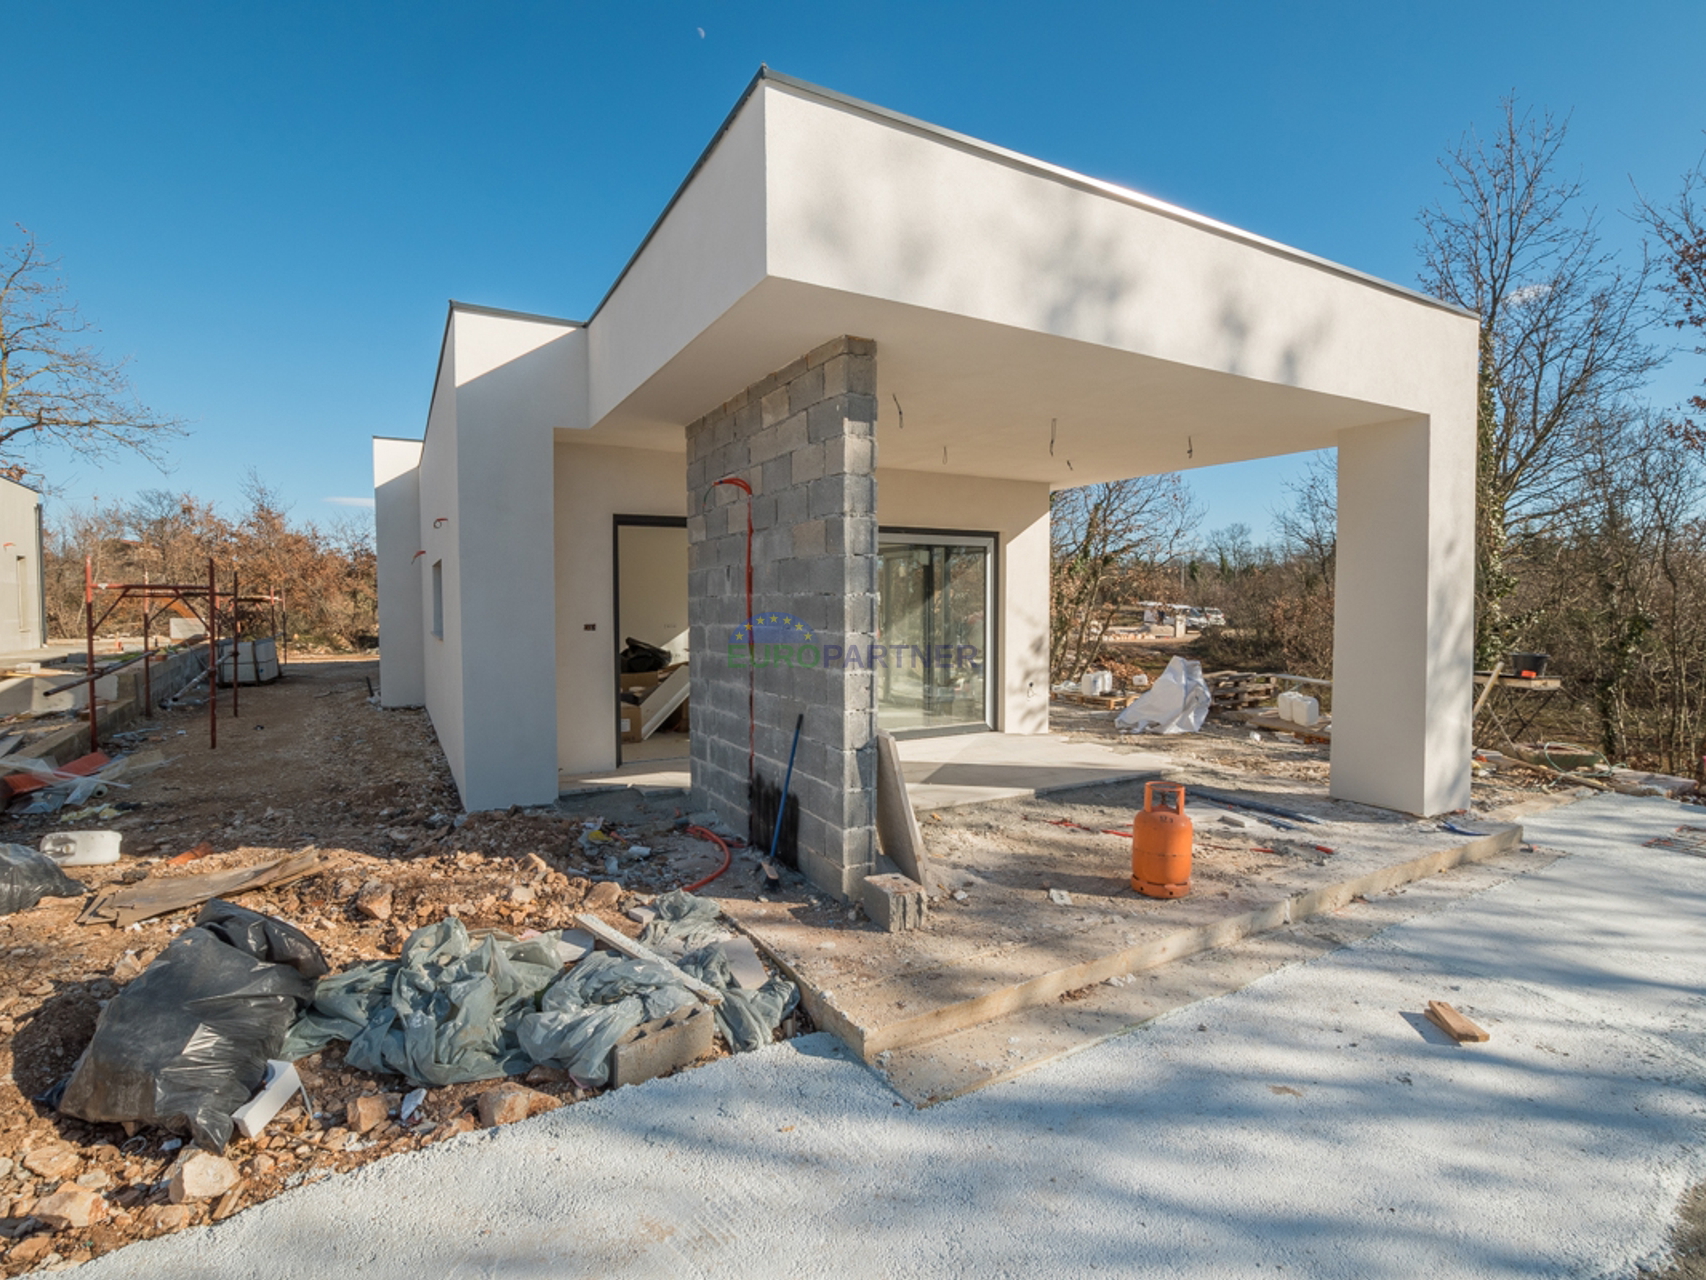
21	623
486	511
1027	246
1404	619
441	656
594	484
707	252
396	538
1018	514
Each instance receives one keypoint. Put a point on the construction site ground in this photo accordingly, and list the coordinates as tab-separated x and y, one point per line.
1312	1122
313	762
310	762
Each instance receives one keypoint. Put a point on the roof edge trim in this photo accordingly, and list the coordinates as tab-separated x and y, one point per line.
1099	186
1019	160
504	313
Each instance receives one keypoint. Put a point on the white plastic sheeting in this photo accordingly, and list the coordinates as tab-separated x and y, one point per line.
1178	703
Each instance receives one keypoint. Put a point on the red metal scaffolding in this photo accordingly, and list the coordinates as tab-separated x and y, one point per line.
165	594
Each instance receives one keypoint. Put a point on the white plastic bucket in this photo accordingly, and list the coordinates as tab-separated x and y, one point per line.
82	848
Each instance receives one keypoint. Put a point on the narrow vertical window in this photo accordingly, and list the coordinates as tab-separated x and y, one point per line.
23	594
438	598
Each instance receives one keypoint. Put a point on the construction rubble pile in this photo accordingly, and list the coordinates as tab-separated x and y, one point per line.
179	1055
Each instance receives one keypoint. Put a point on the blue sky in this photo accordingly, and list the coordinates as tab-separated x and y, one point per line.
265	207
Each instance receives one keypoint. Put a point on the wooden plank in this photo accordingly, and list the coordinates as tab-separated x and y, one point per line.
155	897
1454	1024
1322	732
618	941
1542	684
1492	681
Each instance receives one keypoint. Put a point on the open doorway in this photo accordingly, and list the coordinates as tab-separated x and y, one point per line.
650	608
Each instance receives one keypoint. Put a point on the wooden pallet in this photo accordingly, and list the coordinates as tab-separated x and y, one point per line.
1102	702
1240	690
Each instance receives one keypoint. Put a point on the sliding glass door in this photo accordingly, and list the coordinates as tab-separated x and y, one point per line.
936	601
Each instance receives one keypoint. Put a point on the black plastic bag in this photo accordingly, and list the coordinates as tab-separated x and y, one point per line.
26	877
187	1042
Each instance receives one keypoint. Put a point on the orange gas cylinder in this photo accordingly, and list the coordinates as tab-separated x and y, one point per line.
1161	843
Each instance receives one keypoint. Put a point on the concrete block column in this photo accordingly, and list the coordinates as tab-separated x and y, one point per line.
1403	636
804	439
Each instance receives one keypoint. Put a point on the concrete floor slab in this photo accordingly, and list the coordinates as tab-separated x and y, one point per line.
1002	944
976	768
645	776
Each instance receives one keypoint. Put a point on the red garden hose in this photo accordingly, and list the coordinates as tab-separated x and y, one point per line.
722	844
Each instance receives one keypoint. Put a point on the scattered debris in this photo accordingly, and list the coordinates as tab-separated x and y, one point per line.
188	1041
27	876
662	1045
373	900
898	832
200	850
446	1012
366	1112
158	896
70	1206
282	1083
1060	897
511	1102
1178	702
895	903
82	848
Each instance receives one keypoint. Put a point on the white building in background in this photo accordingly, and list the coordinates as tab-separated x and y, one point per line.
901	340
23	613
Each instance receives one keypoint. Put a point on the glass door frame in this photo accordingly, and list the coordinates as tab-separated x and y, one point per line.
906	535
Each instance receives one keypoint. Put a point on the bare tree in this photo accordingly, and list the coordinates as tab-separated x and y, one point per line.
1309	527
1108	541
54	388
1561	330
1681	230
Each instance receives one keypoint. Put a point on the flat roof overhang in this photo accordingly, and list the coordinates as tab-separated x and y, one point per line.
1009	301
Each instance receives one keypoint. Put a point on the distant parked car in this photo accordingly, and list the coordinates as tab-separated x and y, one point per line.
1214	618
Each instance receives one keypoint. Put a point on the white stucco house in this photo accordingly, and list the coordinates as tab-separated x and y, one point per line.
876	326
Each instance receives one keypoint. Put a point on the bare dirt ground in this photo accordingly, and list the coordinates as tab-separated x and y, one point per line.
1688	1242
309	762
1225	745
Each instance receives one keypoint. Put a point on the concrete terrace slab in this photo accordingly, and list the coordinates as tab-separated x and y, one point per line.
975	768
1006	946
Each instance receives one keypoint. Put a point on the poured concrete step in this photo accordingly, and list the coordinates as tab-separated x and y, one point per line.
883	992
971	1058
